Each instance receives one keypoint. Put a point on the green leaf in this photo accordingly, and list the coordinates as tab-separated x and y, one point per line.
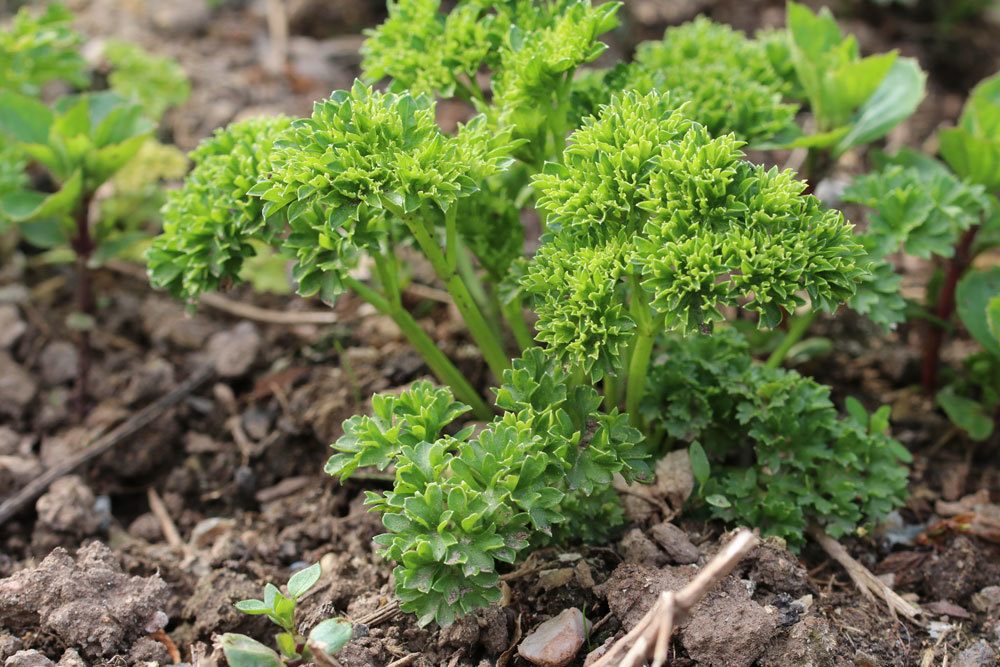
718	500
252	607
286	644
303	580
242	651
993	316
29	205
283	612
896	98
44	232
24	119
976	290
699	462
330	636
969	415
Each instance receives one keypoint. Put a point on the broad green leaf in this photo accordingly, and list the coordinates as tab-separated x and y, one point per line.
971	157
252	607
976	290
30	205
24	119
303	580
967	414
700	467
242	651
896	98
330	636
44	232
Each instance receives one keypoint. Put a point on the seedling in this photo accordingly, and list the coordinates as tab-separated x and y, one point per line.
324	640
81	141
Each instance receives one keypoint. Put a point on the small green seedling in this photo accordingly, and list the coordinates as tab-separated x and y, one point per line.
328	637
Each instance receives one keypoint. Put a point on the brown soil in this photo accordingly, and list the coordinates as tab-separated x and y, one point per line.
238	463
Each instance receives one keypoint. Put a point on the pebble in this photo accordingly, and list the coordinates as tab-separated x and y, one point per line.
555	642
979	654
234	351
59	361
636	548
12	327
17	387
29	658
987	600
675	543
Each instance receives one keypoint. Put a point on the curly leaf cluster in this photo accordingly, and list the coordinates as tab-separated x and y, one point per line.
462	504
35	50
209	223
425	51
648	208
808	466
728	79
537	65
347	176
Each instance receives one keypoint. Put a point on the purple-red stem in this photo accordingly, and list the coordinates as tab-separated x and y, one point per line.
83	246
944	307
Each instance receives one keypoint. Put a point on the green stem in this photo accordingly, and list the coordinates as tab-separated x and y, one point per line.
479	328
436	360
610	392
794	334
513	312
642	352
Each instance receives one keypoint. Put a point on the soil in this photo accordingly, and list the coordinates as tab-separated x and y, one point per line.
147	548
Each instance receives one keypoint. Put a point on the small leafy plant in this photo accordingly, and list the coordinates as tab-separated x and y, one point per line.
656	230
324	640
81	141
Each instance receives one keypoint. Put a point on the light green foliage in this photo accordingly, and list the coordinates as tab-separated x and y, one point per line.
209	224
649	209
82	142
854	100
807	465
972	148
532	89
12	175
728	79
39	48
348	177
155	82
463	503
325	639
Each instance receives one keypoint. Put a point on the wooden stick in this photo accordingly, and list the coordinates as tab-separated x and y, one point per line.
866	582
143	418
246	311
651	635
167	525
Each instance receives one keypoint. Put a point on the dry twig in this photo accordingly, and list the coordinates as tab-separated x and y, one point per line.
866	582
140	419
650	638
167	525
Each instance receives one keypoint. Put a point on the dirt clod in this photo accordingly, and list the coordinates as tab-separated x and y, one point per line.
639	549
12	327
87	603
17	387
675	543
808	643
67	514
555	642
58	362
29	658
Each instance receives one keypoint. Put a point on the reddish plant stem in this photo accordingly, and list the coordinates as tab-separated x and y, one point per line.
944	307
83	246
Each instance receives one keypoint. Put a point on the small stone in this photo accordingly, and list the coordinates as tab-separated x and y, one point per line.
987	600
71	658
17	387
146	527
9	645
675	543
207	531
12	327
30	658
550	579
945	608
979	654
555	642
234	351
59	362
